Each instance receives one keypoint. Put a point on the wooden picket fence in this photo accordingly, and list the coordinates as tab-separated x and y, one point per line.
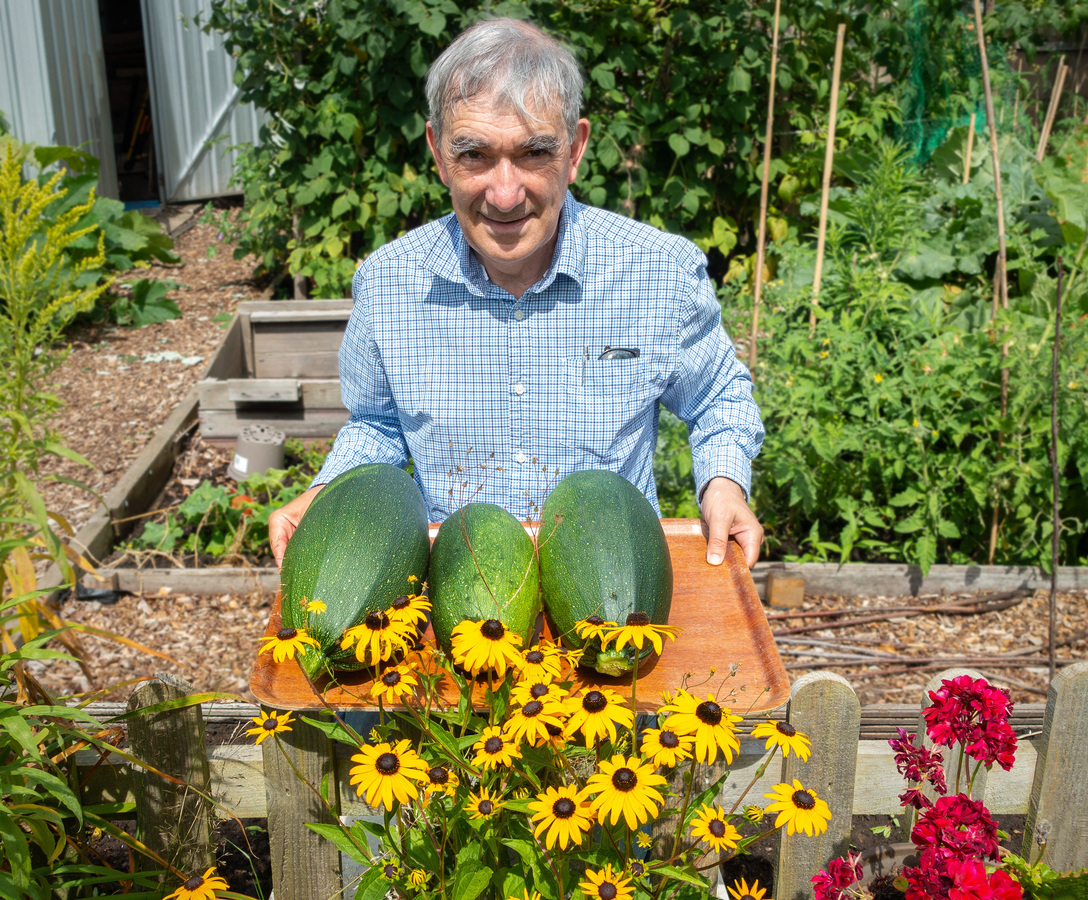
851	767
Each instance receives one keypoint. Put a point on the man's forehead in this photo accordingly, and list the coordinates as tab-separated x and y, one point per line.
485	112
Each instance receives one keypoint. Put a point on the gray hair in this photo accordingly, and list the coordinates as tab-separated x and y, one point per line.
522	65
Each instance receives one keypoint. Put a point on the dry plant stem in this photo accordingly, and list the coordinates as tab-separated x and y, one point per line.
1052	109
829	158
970	149
1055	543
761	242
755	778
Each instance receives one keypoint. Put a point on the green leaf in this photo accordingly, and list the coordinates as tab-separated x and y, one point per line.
740	81
679	145
339	837
471	878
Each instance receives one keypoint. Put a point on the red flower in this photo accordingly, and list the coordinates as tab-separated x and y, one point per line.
840	874
917	763
975	714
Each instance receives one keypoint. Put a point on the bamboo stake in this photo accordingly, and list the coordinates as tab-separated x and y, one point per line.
761	242
829	157
1001	275
1055	545
1016	101
970	149
1052	109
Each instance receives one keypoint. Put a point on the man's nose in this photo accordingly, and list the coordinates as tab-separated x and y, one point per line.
506	190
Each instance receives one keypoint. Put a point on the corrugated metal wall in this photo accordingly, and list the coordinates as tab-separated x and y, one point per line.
194	101
53	78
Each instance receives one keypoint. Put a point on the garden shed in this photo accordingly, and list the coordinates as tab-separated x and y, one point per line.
135	81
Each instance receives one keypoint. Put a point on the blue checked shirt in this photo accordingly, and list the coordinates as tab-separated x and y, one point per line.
441	365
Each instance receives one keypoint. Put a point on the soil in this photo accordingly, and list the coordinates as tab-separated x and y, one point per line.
117	397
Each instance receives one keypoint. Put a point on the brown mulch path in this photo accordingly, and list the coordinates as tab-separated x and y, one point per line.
116	401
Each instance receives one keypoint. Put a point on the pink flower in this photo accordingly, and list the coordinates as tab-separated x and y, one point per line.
917	763
975	714
840	874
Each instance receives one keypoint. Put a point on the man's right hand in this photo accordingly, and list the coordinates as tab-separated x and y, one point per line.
283	522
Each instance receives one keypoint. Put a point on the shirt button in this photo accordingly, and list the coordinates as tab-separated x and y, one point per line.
519	314
519	388
520	457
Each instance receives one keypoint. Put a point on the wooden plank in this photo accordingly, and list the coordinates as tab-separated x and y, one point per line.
300	310
174	819
288	351
313	393
300	423
191	581
1059	791
824	707
228	360
264	390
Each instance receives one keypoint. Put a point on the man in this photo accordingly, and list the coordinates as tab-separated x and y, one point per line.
527	336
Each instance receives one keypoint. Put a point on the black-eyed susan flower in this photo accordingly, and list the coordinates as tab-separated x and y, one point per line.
387	771
391	870
377	638
529	723
200	887
712	725
287	643
557	738
486	646
440	780
418	878
393	684
483	804
637	631
562	815
637	869
606	884
627	788
754	814
596	713
712	827
593	627
540	663
524	691
269	724
526	895
799	809
784	736
740	890
411	609
664	747
495	748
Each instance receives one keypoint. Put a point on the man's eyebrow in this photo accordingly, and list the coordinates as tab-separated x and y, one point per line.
468	143
465	144
548	142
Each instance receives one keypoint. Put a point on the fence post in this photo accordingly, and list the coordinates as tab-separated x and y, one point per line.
1059	793
174	820
305	866
825	707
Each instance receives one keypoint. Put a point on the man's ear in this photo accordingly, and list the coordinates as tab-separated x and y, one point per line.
578	148
432	142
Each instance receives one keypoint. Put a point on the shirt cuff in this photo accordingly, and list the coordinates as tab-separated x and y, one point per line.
727	461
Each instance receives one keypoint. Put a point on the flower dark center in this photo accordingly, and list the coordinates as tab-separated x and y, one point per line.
716	827
492	630
532	708
804	800
538	690
709	713
624	779
563	808
270	723
286	634
485	807
439	775
638	619
390	871
534	657
193	883
391	678
377	621
493	745
607	891
387	764
402	602
669	740
594	702
595	620
637	869
785	728
553	730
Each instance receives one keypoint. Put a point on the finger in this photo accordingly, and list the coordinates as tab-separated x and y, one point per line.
717	539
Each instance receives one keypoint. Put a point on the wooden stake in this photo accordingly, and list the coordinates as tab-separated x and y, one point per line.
761	241
970	149
1052	112
1016	101
829	157
1055	544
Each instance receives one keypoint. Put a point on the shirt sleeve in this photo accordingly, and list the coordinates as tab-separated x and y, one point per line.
711	390
373	432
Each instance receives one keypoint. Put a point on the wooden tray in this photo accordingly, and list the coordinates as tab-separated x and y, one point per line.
716	607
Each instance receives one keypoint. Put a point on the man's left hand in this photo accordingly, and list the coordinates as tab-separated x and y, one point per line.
726	513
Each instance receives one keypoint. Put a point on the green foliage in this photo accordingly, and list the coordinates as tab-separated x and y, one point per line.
148	304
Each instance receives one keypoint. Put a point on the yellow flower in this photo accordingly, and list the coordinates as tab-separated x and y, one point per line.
741	891
563	813
799	809
390	870
417	878
644	840
483	805
394	684
529	723
711	723
495	748
486	645
269	724
287	643
593	627
314	607
823	354
878	378
411	609
535	895
711	826
754	814
627	788
202	887
540	664
637	631
914	424
377	638
786	737
386	772
607	885
440	780
596	713
524	691
664	747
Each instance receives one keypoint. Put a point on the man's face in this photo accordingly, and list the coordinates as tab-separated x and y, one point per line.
508	177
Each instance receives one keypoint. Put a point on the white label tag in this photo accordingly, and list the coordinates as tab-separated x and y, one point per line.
241	463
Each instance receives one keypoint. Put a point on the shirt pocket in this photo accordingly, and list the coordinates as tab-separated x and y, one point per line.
608	404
